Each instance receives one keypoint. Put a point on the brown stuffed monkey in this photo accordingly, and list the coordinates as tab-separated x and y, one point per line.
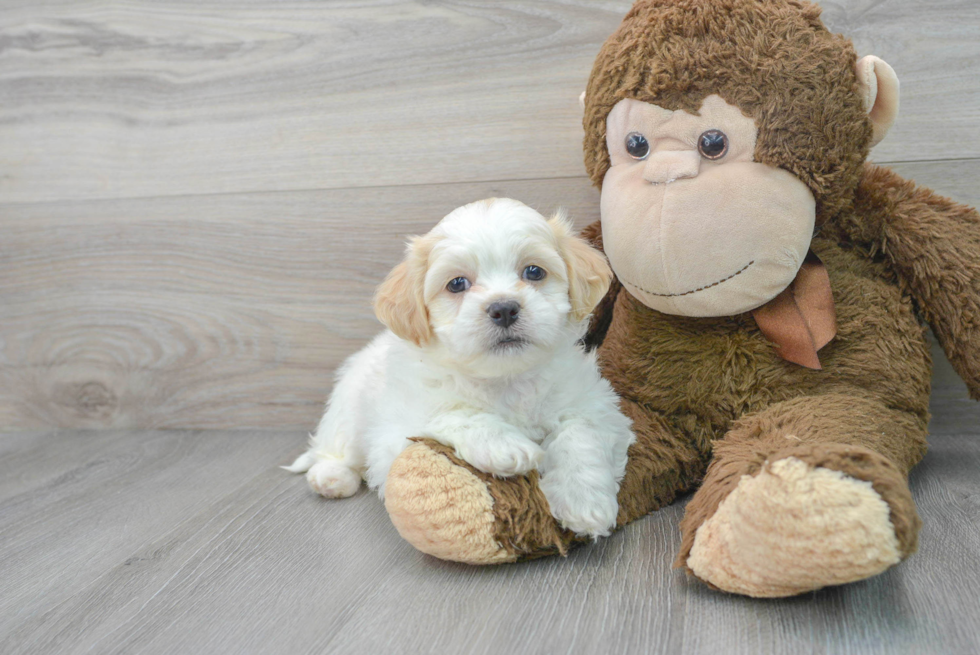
765	329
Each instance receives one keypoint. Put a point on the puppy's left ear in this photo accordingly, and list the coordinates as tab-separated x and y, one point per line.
589	274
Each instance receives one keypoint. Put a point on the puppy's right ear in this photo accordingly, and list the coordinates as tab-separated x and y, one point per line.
400	301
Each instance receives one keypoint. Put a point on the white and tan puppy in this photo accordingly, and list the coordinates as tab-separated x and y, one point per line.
485	316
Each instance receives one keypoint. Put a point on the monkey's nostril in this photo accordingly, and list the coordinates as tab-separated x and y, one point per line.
505	313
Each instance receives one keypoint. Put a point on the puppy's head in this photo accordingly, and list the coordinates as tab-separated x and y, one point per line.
494	288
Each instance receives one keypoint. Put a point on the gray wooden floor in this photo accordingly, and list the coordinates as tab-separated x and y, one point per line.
196	201
179	541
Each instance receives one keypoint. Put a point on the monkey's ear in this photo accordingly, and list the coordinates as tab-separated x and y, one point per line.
879	89
400	301
589	274
581	100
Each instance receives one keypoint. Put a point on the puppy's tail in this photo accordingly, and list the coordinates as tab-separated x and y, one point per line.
302	463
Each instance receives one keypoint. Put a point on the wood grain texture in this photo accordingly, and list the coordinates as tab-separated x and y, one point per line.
56	537
225	311
161	98
215	311
221	301
109	100
196	201
179	542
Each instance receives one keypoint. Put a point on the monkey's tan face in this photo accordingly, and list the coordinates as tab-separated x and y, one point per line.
690	223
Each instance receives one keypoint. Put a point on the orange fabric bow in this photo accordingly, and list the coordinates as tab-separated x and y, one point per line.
801	320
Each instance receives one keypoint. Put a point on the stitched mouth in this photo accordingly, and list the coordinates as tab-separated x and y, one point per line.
687	293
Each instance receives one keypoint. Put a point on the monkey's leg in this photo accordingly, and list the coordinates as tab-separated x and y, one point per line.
808	493
448	509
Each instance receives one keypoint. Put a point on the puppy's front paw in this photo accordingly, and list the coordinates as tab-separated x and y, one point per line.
501	455
581	508
331	479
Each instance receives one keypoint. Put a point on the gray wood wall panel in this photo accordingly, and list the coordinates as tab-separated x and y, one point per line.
197	199
227	310
216	311
161	98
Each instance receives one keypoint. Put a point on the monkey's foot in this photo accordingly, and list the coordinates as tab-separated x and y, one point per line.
795	527
450	510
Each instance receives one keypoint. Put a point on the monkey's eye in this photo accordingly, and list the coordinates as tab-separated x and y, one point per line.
534	273
713	144
637	145
458	285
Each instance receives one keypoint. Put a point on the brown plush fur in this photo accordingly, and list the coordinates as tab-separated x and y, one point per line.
774	59
837	432
932	245
524	526
710	399
689	382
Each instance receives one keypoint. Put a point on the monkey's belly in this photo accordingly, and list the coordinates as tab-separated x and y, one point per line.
703	373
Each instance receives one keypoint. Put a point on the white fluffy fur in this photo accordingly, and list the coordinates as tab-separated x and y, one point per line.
506	409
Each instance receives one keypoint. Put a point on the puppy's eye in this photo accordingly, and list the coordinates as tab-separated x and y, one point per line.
458	285
637	145
534	273
713	144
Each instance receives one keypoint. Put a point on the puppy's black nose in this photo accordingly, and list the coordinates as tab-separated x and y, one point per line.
505	313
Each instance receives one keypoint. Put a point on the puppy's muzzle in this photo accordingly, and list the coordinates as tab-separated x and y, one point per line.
504	313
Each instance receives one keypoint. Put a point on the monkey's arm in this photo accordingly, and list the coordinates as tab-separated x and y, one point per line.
933	245
602	315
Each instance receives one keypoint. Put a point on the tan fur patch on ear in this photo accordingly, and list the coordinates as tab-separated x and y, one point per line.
589	274
400	302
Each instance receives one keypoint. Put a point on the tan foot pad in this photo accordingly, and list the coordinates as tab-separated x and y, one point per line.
442	509
792	529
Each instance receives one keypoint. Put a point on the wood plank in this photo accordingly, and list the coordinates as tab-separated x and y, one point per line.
210	311
224	311
161	98
27	459
168	98
934	48
92	499
268	567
